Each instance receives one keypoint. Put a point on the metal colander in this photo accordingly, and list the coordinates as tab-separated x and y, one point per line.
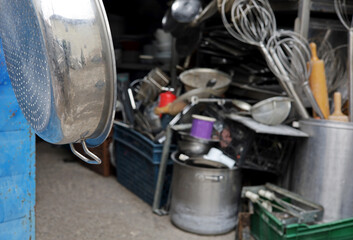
59	56
26	61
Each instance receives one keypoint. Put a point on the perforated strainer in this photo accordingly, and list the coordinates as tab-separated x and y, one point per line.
59	56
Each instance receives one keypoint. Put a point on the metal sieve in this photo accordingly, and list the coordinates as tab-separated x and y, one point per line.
59	56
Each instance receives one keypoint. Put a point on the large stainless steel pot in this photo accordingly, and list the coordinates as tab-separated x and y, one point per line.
323	167
205	200
59	56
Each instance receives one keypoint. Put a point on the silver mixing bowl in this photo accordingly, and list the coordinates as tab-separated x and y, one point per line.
192	146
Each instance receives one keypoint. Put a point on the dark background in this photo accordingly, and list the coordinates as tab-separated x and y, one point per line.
141	16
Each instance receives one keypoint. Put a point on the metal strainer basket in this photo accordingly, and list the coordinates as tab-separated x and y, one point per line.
59	56
272	111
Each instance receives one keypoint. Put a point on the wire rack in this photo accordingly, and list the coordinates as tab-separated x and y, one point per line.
263	152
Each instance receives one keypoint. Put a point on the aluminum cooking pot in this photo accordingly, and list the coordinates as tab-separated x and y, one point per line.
204	200
59	56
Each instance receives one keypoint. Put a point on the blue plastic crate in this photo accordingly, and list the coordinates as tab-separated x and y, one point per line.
137	164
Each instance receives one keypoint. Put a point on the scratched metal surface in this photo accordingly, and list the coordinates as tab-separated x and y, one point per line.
17	165
61	64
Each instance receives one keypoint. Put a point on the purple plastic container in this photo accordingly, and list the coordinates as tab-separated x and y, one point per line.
202	126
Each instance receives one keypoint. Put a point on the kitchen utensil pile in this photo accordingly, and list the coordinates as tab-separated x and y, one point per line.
216	131
287	54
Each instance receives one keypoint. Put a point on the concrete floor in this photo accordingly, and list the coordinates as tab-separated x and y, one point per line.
74	203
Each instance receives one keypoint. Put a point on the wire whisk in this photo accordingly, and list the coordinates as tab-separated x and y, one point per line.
291	54
335	66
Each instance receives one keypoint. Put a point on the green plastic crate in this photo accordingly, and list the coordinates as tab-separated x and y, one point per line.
264	226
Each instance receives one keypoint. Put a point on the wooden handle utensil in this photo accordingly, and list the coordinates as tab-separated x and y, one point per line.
317	81
337	115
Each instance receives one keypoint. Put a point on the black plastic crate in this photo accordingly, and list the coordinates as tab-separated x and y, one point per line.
137	164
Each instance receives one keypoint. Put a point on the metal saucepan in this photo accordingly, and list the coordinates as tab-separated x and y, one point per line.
59	56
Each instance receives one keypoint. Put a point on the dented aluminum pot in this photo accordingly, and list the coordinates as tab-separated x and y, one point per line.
205	200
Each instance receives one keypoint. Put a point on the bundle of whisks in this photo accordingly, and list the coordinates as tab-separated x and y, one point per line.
287	53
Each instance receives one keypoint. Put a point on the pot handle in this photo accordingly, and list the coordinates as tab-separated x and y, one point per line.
213	178
96	160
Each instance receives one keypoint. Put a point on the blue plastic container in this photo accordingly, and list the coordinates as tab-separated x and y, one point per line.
137	164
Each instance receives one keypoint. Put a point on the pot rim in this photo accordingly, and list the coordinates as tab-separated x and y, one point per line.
173	156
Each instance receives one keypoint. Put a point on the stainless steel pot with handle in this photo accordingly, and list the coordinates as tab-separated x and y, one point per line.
59	56
204	200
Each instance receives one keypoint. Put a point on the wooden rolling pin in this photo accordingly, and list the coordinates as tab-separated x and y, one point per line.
317	82
337	115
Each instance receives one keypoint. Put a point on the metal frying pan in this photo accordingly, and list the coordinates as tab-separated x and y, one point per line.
59	56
